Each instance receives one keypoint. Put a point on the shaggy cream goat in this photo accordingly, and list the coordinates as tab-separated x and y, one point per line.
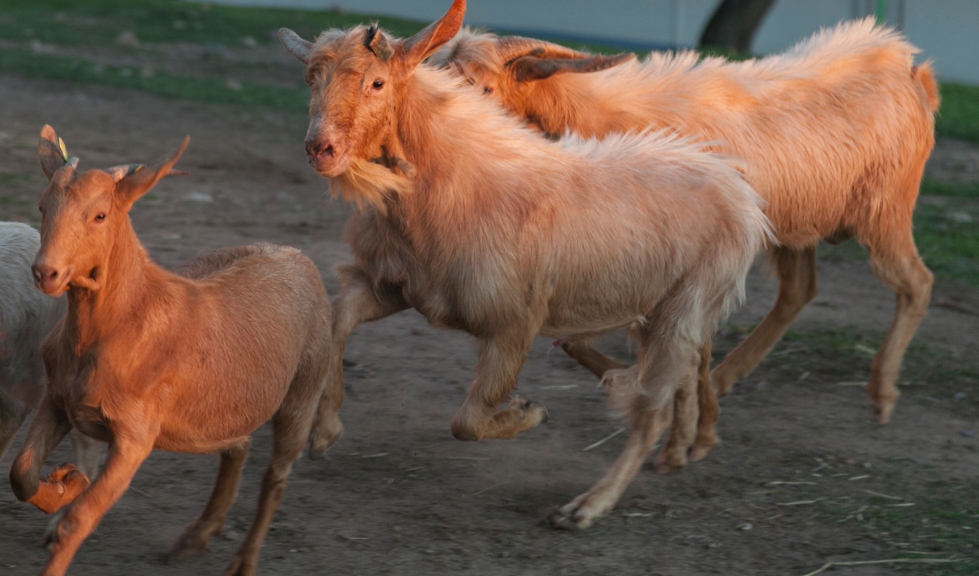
481	225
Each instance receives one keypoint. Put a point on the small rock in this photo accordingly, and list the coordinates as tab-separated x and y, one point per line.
249	42
38	47
958	396
233	84
125	72
214	51
179	25
960	217
146	72
128	39
968	433
198	197
745	526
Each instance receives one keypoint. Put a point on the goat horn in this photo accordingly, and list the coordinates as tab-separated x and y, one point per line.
513	47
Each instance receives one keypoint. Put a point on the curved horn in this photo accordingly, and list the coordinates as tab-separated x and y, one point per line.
528	68
511	47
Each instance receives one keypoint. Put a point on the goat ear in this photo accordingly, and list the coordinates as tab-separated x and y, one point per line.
530	68
378	43
136	180
295	45
52	152
434	36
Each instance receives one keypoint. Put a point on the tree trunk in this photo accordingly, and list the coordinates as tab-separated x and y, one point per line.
734	24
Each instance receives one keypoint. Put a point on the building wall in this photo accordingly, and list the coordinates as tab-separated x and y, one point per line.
947	31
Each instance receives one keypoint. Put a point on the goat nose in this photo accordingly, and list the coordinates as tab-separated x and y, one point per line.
317	148
43	274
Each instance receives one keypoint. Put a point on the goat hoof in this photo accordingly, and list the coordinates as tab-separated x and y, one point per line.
669	464
240	567
186	546
320	440
568	517
700	451
882	412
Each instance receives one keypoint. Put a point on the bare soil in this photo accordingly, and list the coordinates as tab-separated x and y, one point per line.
796	482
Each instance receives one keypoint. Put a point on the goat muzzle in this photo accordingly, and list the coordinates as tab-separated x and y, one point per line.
48	279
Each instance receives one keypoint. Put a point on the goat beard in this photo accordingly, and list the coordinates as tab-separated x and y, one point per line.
366	183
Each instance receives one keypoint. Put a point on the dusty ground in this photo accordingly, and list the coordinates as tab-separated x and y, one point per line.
398	495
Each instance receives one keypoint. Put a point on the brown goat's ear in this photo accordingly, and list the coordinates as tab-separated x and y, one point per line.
51	151
377	43
295	45
530	68
139	179
434	36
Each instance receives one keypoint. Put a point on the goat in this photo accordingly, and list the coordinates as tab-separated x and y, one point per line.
483	226
26	317
835	134
191	361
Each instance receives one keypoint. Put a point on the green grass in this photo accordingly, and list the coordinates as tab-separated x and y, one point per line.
936	188
959	114
98	22
947	236
215	90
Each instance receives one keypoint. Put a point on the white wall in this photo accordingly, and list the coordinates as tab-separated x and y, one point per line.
947	31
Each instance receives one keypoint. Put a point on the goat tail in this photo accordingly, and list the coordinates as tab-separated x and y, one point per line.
924	75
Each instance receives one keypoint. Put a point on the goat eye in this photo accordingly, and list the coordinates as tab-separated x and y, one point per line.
378	84
487	90
100	217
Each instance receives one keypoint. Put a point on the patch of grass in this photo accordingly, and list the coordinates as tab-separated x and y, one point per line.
933	187
959	115
947	236
23	63
943	521
98	22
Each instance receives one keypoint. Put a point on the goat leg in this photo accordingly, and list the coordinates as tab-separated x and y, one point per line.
797	287
195	538
358	302
127	451
49	427
500	360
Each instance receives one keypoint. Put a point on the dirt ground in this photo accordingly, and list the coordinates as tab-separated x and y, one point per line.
802	477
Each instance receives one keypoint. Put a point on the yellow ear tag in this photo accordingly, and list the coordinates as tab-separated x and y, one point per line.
64	151
138	168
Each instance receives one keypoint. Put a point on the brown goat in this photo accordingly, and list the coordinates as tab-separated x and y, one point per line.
191	361
835	134
481	225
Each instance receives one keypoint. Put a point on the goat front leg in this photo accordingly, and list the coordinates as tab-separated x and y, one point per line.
62	486
499	363
797	287
87	460
127	451
358	302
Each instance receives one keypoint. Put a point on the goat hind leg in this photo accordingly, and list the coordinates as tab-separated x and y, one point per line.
709	409
661	369
589	357
797	287
357	303
895	260
290	427
500	360
195	538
